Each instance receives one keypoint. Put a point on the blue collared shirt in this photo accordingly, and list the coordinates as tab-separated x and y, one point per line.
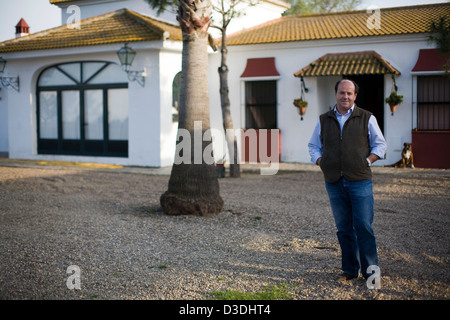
377	142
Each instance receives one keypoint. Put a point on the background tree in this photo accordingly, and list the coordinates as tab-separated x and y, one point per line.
193	186
320	6
227	9
440	34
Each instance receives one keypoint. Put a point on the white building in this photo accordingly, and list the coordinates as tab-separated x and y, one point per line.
375	48
75	103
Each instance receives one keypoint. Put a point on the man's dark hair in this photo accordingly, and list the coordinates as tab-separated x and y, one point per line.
354	83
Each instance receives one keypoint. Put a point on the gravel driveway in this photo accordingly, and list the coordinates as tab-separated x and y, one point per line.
273	230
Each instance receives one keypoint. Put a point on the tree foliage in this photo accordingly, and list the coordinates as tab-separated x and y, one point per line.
163	5
440	34
320	6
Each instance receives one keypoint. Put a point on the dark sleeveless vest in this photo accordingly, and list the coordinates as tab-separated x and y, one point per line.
345	154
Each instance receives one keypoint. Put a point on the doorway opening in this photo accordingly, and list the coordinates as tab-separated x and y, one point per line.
371	95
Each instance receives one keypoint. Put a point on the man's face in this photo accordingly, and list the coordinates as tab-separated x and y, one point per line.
345	96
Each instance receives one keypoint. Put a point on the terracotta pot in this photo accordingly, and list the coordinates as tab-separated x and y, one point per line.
393	108
302	110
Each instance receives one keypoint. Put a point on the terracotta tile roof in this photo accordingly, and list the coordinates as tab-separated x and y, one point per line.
346	24
116	27
276	2
352	63
60	1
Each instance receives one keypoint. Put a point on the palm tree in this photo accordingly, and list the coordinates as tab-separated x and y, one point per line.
227	11
193	185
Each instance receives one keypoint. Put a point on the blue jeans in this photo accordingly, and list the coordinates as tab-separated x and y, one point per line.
352	206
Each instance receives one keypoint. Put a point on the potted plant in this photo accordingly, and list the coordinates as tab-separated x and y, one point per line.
394	100
220	168
301	105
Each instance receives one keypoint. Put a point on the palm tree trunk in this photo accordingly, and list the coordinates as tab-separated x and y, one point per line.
193	185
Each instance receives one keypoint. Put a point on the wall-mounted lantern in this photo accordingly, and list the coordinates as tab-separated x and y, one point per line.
126	56
12	82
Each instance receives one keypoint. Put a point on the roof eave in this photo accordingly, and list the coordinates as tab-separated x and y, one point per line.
44	40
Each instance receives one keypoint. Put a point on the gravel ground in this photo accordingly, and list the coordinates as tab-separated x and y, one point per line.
274	229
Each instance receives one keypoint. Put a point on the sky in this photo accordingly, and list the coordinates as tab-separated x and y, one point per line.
41	15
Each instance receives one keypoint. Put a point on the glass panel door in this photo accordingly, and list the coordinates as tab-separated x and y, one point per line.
72	70
71	114
90	69
118	114
54	77
48	115
82	109
111	74
93	114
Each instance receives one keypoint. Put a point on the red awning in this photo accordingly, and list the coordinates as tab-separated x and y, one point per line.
260	67
429	60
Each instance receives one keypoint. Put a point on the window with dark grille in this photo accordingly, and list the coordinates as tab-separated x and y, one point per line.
261	104
433	103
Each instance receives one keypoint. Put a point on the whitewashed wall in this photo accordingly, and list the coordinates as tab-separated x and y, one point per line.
401	51
262	11
151	130
4	144
89	9
169	66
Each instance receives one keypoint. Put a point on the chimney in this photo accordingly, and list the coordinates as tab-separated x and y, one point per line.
22	28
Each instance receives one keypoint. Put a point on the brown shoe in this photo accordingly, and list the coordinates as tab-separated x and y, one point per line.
346	277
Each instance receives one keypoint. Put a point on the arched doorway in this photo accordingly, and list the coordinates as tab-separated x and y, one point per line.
371	95
82	109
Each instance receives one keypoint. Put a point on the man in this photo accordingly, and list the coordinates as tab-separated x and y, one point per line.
345	143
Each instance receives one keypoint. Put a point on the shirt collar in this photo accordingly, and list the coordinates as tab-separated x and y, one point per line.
348	112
